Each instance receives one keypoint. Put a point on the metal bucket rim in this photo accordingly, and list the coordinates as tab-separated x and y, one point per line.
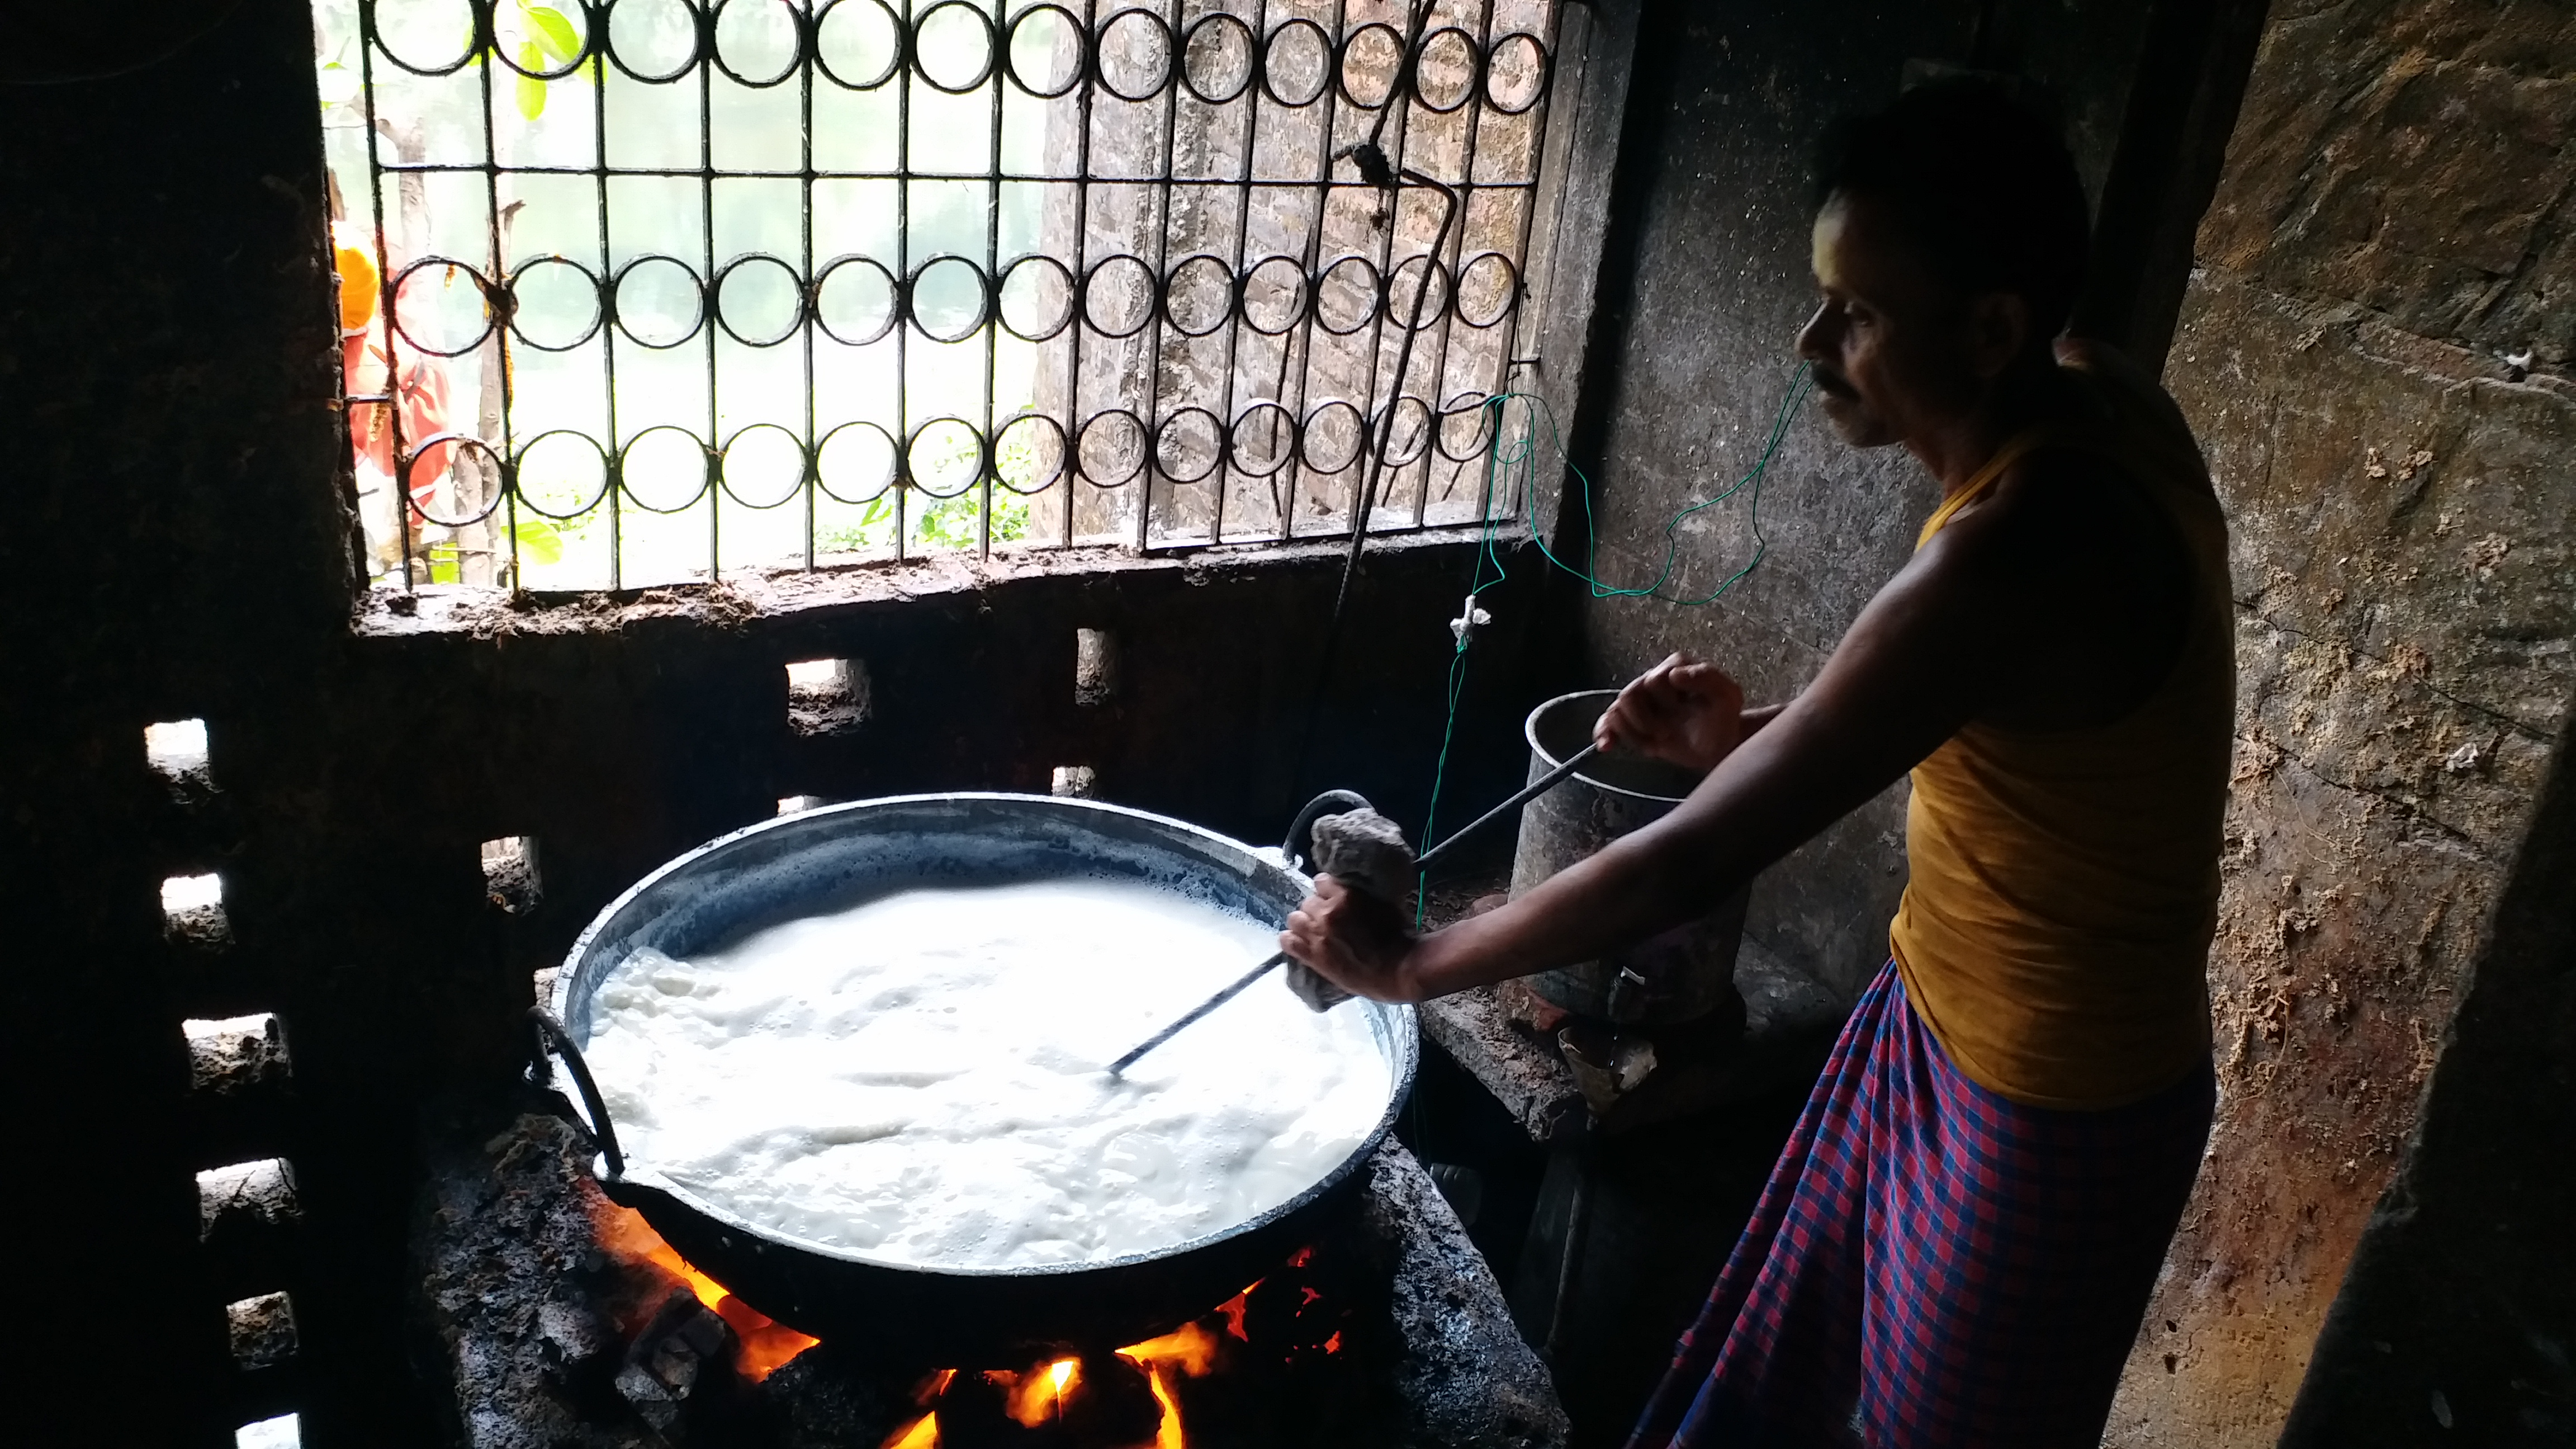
1405	1037
1529	731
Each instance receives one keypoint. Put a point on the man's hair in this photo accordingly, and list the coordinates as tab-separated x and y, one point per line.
1981	186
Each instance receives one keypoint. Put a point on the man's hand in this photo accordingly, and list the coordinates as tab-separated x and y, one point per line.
1681	711
1353	940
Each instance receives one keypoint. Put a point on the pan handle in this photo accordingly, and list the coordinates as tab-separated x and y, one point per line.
1299	847
551	1037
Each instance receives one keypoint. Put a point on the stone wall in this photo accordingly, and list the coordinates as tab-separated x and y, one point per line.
2375	346
2376	352
1705	294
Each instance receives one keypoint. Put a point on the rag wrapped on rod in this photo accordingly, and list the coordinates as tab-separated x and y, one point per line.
1365	851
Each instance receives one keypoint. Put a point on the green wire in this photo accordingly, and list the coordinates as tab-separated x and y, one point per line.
1519	462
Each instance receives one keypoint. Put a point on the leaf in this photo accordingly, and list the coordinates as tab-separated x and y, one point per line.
554	32
532	91
540	542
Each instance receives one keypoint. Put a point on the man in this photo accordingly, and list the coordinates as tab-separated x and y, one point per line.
1956	1246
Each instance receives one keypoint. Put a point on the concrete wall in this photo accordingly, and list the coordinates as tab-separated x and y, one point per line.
2390	237
1706	285
2391	225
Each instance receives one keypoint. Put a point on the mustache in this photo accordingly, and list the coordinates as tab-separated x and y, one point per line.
1832	384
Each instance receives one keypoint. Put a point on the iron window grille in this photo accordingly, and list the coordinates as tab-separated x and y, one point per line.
651	290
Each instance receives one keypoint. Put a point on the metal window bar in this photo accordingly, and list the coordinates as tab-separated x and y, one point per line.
1181	324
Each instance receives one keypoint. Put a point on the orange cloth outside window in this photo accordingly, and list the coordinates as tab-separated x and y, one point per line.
2063	884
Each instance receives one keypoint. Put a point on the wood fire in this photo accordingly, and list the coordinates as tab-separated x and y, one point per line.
766	1344
1130	1399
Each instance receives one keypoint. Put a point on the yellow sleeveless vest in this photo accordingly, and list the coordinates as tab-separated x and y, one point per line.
2063	885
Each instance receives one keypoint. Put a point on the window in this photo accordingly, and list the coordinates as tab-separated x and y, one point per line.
654	290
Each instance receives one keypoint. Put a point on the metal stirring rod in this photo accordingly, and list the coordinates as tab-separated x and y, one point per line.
1422	863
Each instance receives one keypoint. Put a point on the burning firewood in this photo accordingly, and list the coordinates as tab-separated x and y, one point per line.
666	1361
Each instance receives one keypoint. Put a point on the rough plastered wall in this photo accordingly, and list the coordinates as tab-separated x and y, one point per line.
2376	352
1705	287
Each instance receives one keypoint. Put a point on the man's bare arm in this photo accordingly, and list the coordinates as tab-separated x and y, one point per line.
1924	658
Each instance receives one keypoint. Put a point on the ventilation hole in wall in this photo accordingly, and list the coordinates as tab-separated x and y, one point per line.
792	804
1095	666
510	873
192	909
246	1198
1075	782
236	1053
826	695
263	1330
176	747
282	1432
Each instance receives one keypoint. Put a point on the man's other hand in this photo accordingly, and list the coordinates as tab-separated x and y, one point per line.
1354	940
1681	711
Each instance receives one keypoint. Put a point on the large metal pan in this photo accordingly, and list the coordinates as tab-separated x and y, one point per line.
963	1316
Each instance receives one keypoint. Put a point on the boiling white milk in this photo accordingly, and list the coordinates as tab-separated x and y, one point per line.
923	1078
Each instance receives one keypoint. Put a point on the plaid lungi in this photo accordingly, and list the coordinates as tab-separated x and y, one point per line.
1933	1263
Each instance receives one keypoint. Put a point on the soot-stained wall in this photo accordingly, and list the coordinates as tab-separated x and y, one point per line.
2375	349
1706	283
176	542
2376	352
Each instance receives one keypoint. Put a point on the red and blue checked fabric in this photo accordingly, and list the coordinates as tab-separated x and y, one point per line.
1934	1264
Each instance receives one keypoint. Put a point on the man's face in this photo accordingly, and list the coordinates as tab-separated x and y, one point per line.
1895	352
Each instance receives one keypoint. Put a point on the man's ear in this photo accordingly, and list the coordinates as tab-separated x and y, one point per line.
1998	330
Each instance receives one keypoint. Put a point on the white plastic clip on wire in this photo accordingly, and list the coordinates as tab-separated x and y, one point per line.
1472	618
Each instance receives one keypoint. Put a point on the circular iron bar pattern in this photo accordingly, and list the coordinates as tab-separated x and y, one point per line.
948	299
758	43
424	28
1041	439
655	468
542	294
862	45
656	41
856	34
460	446
1116	65
943	470
1444	53
1304	53
760	301
942	34
855	451
1189	445
1464	446
1408	433
442	306
762	466
1373	56
539	478
576	16
1063	25
645	301
1203	420
1220	59
1343	433
657	300
1036	298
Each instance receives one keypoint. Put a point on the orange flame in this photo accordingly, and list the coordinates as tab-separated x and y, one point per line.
767	1344
1038	1397
1189	1348
1167	1434
1234	1308
921	1433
